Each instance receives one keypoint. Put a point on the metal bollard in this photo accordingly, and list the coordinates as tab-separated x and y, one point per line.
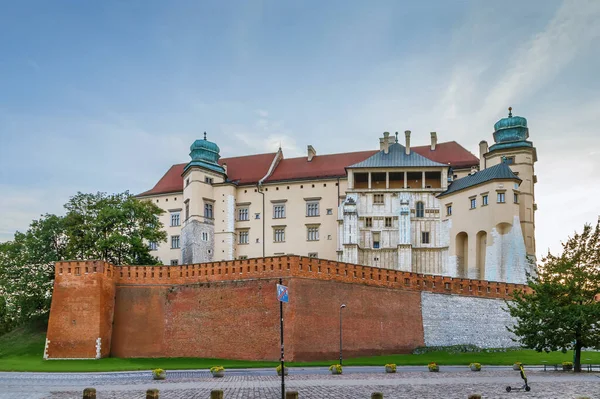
377	395
291	395
216	394
152	394
89	393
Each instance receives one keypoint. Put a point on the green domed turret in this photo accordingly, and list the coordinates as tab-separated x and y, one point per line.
511	132
205	153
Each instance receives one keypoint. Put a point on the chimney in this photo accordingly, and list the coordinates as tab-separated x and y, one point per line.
483	149
433	140
386	142
311	153
225	167
407	146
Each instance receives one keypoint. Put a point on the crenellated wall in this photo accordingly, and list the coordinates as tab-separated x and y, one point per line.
229	309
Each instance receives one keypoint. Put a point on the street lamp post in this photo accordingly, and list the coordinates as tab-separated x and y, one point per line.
342	306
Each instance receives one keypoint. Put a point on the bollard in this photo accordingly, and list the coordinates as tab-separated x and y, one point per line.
152	394
291	395
89	393
377	395
216	394
475	396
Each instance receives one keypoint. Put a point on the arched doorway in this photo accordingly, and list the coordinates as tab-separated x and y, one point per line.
480	256
462	254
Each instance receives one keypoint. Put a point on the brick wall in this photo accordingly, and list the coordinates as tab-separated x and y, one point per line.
229	309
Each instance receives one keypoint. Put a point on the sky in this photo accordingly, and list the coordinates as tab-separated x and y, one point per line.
107	95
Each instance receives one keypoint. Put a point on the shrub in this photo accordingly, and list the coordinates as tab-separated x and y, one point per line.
158	373
433	367
475	366
216	369
278	368
391	366
337	367
567	364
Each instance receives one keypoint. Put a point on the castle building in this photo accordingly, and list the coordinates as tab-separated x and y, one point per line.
434	209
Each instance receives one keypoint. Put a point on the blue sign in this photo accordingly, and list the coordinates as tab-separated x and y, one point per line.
282	293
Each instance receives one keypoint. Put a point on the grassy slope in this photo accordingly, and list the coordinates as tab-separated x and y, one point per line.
22	349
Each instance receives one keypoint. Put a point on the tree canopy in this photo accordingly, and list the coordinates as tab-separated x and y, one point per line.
563	310
111	227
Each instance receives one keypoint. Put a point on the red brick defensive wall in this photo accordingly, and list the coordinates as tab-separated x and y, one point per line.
230	310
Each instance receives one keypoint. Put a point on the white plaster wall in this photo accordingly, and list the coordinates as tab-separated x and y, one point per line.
456	320
506	258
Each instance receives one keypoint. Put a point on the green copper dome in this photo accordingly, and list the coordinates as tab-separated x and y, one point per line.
205	153
511	132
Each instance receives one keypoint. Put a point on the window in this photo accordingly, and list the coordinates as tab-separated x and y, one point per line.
152	246
243	238
378	198
187	182
388	222
501	198
425	237
208	211
473	203
368	222
376	239
312	208
174	262
204	236
243	214
516	198
243	257
279	234
174	242
279	211
187	209
313	255
420	209
175	219
510	160
257	216
448	210
312	233
329	211
208	180
484	200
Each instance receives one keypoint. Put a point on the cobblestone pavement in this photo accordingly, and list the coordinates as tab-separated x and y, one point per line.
402	385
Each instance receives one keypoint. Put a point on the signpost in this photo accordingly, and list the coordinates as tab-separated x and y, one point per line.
282	296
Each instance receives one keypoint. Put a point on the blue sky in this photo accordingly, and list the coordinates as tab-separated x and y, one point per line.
106	95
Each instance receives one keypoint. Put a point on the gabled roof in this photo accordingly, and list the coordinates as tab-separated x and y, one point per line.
500	171
241	170
321	166
449	152
395	157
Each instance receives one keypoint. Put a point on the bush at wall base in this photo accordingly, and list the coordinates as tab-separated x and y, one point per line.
517	366
278	369
567	366
475	366
335	369
433	367
217	371
159	374
390	368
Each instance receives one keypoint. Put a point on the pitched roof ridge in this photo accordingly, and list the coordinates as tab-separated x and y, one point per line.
251	155
336	153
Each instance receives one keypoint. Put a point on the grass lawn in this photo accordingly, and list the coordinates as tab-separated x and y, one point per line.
22	349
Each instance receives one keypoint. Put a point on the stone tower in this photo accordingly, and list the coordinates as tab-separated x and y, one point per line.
512	147
199	176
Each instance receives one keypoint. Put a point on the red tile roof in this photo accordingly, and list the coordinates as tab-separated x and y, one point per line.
244	170
250	169
331	165
449	152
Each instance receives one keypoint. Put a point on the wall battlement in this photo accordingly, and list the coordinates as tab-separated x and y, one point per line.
286	266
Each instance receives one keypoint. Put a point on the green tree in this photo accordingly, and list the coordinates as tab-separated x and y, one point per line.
562	311
115	228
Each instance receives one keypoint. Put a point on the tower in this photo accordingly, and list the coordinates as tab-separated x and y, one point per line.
199	176
512	147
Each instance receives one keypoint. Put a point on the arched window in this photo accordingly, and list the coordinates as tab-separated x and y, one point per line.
420	210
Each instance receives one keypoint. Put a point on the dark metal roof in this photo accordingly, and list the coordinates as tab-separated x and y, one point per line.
500	171
396	157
